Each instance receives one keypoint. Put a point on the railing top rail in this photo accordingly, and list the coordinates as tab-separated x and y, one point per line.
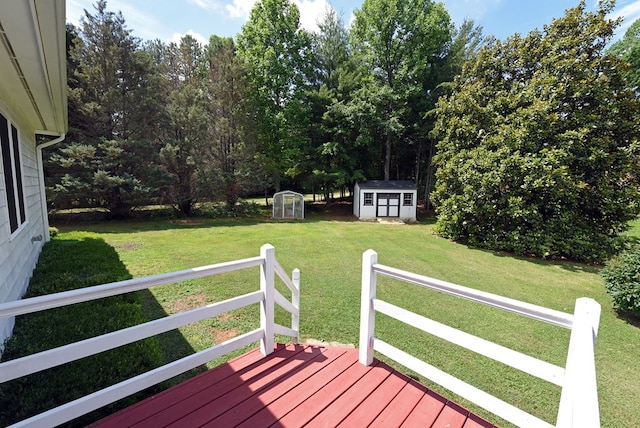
40	303
540	313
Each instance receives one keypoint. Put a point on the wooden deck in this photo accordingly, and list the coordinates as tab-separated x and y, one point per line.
297	385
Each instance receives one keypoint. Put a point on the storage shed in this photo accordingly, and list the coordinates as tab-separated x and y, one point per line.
385	199
288	205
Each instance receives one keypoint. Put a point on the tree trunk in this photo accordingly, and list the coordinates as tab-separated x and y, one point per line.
387	157
276	181
429	177
185	207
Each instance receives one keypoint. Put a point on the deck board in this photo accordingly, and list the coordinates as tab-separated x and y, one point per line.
401	406
351	397
323	397
144	409
204	408
297	385
266	396
295	396
451	416
426	411
215	384
375	402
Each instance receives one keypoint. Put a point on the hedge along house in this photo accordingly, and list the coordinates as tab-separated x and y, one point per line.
33	100
385	199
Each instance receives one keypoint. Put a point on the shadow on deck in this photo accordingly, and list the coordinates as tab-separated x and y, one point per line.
297	385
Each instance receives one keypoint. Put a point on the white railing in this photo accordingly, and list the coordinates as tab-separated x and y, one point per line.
267	296
579	398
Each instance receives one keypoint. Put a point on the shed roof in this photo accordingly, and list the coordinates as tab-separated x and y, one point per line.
288	192
388	184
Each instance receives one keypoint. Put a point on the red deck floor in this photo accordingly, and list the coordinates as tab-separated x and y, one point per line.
297	385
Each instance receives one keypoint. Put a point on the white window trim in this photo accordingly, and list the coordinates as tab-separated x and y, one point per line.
15	182
364	199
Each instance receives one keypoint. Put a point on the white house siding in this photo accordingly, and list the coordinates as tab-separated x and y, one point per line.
19	252
33	99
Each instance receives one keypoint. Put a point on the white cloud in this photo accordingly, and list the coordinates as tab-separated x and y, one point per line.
212	5
75	11
138	21
352	19
475	9
240	8
630	11
311	11
199	37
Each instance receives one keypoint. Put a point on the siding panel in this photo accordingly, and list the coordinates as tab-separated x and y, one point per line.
18	253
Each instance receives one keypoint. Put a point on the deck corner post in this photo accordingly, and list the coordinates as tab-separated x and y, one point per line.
367	313
267	285
295	298
579	398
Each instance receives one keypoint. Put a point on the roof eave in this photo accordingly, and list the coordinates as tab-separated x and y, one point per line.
33	60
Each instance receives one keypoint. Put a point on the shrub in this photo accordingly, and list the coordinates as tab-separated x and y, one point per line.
622	280
241	209
536	156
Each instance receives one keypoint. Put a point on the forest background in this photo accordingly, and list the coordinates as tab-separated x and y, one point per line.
528	156
179	124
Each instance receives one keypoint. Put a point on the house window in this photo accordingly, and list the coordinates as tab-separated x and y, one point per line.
407	199
10	148
368	199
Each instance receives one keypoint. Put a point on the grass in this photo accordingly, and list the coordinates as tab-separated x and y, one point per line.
87	261
328	253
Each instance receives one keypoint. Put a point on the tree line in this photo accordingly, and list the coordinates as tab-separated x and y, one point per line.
528	145
181	123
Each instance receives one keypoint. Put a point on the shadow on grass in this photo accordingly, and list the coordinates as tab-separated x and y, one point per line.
629	317
172	343
571	266
67	264
568	265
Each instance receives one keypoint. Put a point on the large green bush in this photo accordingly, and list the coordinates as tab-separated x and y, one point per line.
537	148
68	262
622	281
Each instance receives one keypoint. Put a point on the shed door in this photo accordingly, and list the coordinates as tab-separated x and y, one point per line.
288	206
388	205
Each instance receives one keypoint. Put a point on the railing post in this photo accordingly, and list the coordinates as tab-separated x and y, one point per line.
267	281
579	398
295	299
367	314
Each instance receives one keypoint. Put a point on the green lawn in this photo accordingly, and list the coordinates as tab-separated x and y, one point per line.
328	253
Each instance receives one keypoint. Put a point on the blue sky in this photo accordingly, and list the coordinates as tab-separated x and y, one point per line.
168	20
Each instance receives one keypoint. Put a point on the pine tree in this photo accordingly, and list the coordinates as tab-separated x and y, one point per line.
108	159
